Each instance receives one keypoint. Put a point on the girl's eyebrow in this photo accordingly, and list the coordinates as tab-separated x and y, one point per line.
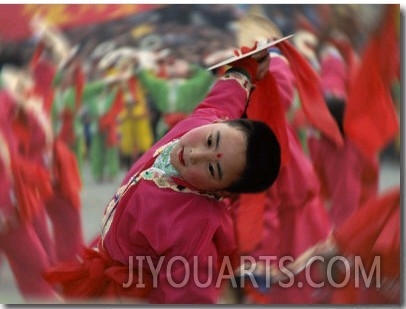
217	139
219	170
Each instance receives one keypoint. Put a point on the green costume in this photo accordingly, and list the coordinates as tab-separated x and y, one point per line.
104	158
176	95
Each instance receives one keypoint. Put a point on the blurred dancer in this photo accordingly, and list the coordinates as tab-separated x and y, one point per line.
348	178
67	107
104	100
64	205
350	175
25	184
292	215
176	89
363	258
134	124
378	248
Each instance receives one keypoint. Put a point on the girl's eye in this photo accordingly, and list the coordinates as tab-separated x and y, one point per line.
211	170
209	141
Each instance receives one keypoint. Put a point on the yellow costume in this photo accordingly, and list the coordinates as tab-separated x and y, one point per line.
134	126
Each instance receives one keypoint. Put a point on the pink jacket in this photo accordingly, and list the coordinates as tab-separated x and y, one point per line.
163	223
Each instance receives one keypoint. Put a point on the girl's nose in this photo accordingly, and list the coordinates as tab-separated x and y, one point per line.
197	155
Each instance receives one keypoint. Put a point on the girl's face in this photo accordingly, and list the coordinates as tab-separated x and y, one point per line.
210	157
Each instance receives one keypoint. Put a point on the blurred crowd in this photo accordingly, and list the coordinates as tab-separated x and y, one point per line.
196	33
195	30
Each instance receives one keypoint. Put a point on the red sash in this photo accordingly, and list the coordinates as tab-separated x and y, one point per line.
97	276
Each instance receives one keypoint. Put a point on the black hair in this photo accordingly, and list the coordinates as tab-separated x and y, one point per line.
263	157
336	106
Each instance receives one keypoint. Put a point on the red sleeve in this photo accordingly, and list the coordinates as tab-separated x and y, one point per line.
308	86
227	99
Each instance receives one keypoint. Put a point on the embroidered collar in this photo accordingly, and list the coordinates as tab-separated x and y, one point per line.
163	161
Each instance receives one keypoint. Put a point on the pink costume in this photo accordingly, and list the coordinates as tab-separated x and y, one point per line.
348	177
294	214
22	223
162	219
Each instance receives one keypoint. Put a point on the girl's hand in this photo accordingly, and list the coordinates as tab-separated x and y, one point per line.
256	65
263	61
